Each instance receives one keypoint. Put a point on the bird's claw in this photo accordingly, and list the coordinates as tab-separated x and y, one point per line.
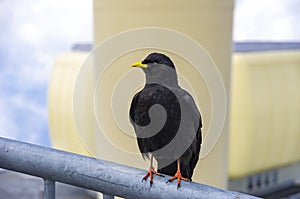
150	173
179	177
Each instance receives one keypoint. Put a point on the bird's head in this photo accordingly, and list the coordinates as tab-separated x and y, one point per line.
158	68
154	59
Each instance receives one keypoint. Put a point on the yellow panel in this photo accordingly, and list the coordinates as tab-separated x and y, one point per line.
63	131
265	111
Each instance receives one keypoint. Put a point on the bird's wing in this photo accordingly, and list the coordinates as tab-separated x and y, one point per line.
189	107
193	125
194	116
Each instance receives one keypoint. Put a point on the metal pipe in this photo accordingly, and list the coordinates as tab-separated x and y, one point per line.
49	189
107	196
98	175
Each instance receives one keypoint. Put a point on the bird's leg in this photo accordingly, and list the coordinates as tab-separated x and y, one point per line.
150	172
178	175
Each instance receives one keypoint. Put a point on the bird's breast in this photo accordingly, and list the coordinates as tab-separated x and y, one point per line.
145	115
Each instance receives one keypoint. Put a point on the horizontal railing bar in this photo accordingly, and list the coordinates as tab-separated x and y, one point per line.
98	175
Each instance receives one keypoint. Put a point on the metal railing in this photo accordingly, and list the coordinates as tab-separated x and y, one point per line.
102	176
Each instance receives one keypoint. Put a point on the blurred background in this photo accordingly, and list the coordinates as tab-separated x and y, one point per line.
35	36
32	35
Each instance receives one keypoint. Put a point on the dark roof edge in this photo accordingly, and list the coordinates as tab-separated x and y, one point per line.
264	46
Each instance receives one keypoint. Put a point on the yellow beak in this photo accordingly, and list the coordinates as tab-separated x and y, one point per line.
139	64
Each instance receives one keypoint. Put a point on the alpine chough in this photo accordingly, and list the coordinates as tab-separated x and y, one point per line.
166	121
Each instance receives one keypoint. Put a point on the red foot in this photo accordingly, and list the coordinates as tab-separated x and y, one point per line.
150	173
179	178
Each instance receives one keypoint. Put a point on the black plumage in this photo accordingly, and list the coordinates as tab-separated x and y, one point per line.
166	120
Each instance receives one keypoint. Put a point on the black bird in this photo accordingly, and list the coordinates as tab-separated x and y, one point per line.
166	121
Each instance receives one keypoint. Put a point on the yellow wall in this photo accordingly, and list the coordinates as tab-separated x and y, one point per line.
207	22
63	132
265	111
